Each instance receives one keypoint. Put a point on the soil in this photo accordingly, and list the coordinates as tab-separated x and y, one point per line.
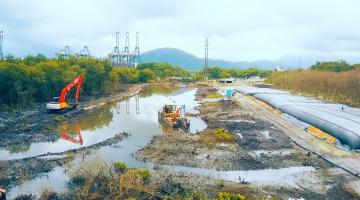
13	172
257	145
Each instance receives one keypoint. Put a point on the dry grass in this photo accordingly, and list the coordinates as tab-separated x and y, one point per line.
342	87
214	95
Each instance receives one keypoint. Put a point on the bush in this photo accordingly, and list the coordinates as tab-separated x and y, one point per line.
230	196
143	173
222	134
120	167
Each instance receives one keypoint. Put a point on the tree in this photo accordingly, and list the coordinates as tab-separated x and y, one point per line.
146	75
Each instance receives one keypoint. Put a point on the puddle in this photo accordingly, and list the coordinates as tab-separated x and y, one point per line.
281	152
279	177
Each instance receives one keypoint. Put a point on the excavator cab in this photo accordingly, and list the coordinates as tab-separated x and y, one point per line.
59	104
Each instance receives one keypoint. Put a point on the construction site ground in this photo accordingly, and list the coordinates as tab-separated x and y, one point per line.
263	140
347	160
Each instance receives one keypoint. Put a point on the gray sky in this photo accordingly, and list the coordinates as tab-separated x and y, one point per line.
238	30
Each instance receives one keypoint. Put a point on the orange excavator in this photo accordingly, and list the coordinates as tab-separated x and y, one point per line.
59	104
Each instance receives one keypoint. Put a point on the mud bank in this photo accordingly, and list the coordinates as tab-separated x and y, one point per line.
255	143
237	139
13	172
20	128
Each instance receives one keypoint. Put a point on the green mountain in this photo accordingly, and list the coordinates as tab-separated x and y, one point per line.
190	62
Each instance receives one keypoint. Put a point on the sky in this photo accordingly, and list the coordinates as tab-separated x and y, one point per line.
238	30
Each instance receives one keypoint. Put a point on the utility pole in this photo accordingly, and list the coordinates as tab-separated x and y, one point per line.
206	64
1	42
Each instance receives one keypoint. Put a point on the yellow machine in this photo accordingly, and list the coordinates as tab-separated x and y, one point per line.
174	116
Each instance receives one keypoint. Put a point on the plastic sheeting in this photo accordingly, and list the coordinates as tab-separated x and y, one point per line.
253	90
341	121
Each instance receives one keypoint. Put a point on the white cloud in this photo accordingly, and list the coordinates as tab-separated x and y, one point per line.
238	30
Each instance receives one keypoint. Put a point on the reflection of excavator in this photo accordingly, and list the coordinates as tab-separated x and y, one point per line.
63	134
59	104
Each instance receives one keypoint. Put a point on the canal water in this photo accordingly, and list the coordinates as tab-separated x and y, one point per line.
138	117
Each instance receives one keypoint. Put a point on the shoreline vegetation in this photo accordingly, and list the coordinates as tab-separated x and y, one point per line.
37	79
331	81
33	79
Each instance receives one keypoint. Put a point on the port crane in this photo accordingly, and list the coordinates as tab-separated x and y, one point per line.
59	104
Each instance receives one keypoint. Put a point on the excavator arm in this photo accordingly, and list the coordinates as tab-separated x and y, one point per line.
78	80
62	105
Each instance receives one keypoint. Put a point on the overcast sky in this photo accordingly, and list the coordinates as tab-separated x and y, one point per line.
238	30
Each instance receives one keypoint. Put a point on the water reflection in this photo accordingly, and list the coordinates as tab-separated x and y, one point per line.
148	91
64	134
97	118
137	116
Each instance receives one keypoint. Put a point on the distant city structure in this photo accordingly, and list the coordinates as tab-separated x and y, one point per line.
1	43
124	58
66	53
84	53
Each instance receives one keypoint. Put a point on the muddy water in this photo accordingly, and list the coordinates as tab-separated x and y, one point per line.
136	116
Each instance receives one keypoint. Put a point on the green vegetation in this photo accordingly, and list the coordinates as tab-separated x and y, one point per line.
38	79
214	95
334	66
143	173
164	70
217	72
342	87
120	167
222	134
230	196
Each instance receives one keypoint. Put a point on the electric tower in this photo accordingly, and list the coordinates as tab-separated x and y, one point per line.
206	59
1	42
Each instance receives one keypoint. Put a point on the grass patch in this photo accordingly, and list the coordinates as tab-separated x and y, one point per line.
120	167
59	118
143	173
214	95
230	196
222	134
214	136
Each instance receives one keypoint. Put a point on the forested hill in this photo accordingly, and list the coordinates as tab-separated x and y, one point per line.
190	62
